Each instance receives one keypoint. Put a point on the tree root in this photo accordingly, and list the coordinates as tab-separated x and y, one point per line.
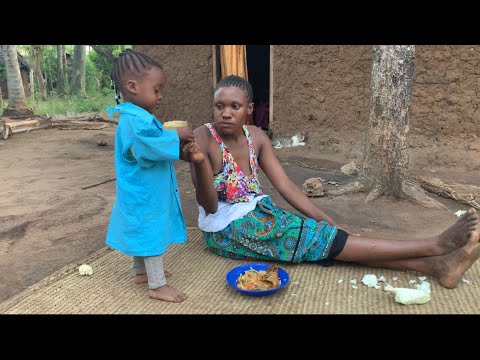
413	192
438	187
374	194
353	187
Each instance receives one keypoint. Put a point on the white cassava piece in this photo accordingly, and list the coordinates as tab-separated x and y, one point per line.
85	270
409	296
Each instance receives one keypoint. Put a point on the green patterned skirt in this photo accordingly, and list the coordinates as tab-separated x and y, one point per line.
270	233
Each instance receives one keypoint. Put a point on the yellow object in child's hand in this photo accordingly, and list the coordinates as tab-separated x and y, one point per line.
175	124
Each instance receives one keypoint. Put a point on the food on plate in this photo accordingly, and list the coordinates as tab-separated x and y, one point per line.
259	280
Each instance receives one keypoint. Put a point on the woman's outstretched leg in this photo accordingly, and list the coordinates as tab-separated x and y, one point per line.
448	269
363	249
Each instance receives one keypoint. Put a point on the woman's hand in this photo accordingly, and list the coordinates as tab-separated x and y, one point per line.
190	152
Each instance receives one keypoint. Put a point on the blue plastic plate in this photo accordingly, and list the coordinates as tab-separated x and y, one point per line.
233	275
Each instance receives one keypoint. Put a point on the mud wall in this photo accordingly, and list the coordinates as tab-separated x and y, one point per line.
325	90
445	121
188	94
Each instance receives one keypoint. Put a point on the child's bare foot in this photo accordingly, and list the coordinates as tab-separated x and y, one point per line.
142	278
167	293
449	268
459	233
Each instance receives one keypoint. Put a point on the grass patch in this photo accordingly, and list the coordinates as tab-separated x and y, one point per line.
80	104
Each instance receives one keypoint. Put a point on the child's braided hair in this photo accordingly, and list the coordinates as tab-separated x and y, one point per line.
133	62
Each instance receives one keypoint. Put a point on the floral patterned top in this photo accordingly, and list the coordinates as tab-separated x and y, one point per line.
231	184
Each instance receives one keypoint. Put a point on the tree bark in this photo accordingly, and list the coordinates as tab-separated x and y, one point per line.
385	162
17	104
60	70
105	54
78	71
385	166
37	70
31	80
68	75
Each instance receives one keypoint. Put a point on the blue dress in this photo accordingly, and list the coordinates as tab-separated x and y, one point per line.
147	214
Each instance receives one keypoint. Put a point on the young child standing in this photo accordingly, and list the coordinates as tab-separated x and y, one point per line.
146	216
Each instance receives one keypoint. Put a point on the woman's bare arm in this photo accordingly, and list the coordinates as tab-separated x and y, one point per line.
202	175
271	166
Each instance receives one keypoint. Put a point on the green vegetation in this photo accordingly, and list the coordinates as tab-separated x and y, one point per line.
98	93
61	105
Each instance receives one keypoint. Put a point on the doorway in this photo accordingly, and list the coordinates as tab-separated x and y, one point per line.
258	66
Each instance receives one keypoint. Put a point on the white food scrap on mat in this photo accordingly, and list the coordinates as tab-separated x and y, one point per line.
425	286
371	281
388	287
85	269
410	296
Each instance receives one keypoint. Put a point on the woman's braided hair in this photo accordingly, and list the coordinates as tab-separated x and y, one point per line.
237	81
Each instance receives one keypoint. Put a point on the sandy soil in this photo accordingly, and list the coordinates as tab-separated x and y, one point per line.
47	221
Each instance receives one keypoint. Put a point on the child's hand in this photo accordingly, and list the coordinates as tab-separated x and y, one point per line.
191	152
185	134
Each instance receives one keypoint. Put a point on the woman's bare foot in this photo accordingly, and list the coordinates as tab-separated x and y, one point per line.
458	234
167	293
449	268
142	278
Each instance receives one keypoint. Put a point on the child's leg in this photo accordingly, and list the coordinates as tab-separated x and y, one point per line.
140	273
157	281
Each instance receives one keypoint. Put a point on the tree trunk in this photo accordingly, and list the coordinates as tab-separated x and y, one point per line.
385	165
60	70
17	104
78	71
102	52
66	68
31	80
37	70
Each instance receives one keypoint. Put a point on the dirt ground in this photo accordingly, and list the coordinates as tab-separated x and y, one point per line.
47	221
